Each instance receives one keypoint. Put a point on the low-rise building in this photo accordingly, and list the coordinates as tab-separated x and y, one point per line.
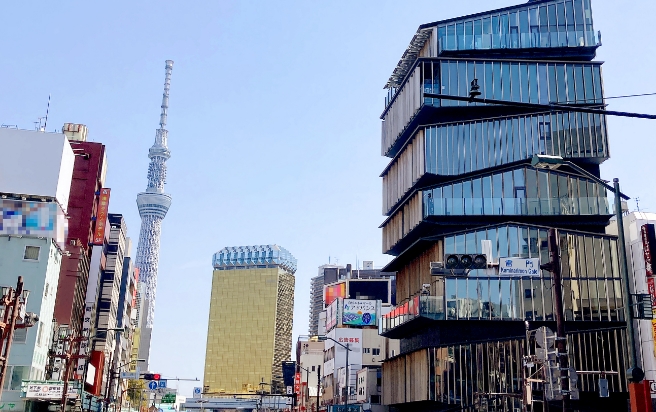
369	389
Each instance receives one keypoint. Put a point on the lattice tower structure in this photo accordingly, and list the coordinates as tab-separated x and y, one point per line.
153	205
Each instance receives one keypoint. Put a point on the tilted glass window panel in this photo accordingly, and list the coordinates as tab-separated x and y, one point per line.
507	193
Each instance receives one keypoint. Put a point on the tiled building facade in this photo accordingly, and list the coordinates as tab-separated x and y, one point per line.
250	321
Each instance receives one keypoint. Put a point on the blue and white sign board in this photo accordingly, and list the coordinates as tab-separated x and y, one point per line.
152	385
197	392
161	383
519	266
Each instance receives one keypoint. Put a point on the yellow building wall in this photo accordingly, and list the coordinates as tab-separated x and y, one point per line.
241	337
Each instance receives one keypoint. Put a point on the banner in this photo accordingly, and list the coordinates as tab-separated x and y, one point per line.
49	391
101	217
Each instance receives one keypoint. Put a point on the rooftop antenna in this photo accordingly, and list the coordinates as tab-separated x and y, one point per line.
637	199
45	123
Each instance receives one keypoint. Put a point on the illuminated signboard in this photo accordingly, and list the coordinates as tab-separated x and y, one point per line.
359	312
101	217
332	292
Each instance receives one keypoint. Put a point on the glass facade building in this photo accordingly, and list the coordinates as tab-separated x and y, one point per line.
461	181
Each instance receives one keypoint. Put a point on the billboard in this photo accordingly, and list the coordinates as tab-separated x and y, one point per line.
36	164
359	312
28	218
370	289
332	292
333	314
101	217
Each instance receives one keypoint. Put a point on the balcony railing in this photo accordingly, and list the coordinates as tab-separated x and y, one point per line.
430	307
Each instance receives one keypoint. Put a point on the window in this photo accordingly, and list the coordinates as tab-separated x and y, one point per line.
375	399
366	350
375	351
20	336
31	253
18	374
39	336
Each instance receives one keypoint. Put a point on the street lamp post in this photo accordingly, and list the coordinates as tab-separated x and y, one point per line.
120	398
324	338
306	395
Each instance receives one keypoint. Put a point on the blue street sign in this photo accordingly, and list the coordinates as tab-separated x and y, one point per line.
152	385
162	384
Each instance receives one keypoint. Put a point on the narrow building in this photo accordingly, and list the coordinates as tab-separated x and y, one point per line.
471	178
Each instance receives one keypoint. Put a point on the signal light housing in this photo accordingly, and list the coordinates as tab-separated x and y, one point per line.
465	261
152	376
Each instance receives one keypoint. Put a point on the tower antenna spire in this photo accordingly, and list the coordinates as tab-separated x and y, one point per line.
153	205
165	96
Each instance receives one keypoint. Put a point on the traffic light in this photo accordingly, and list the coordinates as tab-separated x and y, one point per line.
465	261
152	376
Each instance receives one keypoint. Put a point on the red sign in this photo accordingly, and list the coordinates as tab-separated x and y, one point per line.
297	384
101	217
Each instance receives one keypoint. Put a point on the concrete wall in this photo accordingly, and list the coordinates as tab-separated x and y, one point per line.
36	163
40	277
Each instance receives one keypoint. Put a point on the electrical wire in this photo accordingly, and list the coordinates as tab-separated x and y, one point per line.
615	97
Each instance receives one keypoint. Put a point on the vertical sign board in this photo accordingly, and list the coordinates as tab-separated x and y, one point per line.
648	235
297	384
648	246
84	344
101	216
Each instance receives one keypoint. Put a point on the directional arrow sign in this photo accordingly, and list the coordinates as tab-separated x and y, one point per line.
161	383
152	385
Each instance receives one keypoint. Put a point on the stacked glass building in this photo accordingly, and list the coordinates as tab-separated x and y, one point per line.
460	180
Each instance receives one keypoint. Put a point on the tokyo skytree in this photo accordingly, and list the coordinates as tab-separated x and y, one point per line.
153	205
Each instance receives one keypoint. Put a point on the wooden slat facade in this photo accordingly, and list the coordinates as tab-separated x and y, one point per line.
417	272
403	221
407	103
404	172
405	378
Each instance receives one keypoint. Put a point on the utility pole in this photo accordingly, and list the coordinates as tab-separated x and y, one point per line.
346	405
628	309
318	385
561	338
10	302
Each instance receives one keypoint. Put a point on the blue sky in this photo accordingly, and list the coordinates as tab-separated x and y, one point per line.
273	123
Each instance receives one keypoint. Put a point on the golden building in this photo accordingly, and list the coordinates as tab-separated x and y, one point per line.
250	323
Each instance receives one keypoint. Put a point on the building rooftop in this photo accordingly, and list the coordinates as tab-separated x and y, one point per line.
425	31
254	256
